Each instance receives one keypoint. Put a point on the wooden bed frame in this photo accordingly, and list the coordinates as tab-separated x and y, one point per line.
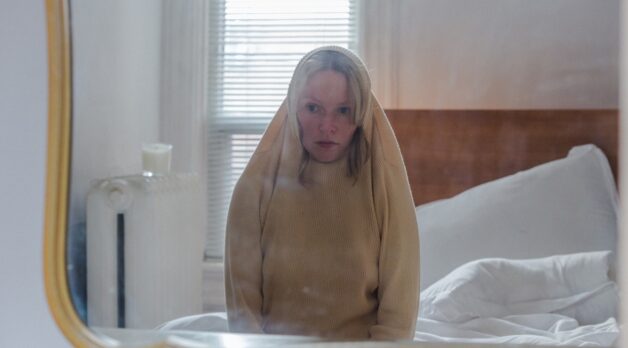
449	151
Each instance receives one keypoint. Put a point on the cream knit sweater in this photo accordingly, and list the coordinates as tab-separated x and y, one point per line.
333	257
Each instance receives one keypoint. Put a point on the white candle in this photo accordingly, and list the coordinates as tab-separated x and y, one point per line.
156	158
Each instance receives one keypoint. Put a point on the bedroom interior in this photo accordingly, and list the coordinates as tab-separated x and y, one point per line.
509	133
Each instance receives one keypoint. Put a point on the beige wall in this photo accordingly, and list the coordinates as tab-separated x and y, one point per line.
495	54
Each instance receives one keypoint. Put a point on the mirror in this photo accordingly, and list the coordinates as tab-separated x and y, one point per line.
174	72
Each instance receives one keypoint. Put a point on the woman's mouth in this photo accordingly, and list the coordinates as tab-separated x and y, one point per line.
326	144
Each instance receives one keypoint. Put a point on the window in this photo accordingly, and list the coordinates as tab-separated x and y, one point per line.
254	47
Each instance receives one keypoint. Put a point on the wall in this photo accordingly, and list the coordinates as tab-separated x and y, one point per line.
493	54
25	318
116	90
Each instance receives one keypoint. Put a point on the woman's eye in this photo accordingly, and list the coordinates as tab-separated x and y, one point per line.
312	107
345	110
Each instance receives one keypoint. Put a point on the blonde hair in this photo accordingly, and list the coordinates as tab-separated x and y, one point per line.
359	84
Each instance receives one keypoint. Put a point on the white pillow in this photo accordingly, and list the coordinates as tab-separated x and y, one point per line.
575	285
560	207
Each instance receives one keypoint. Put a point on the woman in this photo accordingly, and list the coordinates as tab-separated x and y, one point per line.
322	238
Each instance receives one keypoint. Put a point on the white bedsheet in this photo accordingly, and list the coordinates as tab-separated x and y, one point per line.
543	329
558	300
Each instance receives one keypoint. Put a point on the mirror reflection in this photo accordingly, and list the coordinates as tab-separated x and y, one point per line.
502	116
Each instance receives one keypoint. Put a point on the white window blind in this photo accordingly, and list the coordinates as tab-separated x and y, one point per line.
254	47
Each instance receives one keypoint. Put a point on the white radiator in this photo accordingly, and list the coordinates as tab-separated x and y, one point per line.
145	239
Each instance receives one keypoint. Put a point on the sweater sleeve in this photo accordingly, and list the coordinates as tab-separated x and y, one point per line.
398	289
243	260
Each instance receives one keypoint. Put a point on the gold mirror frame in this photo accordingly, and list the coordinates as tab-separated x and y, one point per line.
57	176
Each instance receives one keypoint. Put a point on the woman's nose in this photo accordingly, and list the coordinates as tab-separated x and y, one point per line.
327	125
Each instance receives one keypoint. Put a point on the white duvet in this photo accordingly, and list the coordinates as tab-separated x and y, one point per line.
558	300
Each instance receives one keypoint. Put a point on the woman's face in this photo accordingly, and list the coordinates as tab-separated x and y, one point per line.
325	114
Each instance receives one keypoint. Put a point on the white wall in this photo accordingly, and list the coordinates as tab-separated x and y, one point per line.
116	77
493	54
24	314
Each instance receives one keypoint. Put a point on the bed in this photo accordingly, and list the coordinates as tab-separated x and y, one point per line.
517	214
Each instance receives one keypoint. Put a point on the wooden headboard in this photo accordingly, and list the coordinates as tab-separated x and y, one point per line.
449	151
